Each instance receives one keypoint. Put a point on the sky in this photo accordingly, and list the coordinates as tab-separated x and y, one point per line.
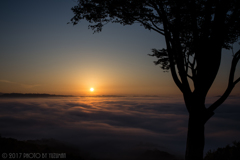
116	126
41	53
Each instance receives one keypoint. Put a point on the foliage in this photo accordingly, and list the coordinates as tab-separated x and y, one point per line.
195	33
226	153
187	25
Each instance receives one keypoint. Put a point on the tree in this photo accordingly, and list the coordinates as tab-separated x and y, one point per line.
228	152
195	33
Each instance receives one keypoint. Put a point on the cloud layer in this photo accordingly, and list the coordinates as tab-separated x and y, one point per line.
108	125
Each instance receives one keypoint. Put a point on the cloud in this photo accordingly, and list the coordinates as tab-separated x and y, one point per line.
6	81
30	85
101	124
21	84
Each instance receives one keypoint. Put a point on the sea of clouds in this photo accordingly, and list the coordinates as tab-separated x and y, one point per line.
115	125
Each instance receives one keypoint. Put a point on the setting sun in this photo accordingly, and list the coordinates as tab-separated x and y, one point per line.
91	89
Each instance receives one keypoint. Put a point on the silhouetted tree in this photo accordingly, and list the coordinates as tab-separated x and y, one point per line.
226	153
195	32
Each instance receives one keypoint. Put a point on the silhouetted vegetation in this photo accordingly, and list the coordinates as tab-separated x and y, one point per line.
16	149
157	155
226	153
24	149
195	32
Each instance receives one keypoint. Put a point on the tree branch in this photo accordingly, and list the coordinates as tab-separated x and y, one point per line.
194	74
231	84
180	55
236	81
190	76
157	27
145	24
169	48
186	59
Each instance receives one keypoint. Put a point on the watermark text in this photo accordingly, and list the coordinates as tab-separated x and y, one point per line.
33	155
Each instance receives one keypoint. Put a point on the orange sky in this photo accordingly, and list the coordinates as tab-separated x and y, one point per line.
40	53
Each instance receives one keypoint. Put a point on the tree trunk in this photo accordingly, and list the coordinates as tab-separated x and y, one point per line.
195	137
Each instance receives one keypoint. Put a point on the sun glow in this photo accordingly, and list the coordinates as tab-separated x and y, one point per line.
91	89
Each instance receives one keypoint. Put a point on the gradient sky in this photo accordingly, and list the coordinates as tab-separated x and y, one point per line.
41	53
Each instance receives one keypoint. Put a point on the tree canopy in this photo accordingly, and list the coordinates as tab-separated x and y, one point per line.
195	33
185	18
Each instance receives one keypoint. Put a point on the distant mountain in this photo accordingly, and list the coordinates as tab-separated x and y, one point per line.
30	95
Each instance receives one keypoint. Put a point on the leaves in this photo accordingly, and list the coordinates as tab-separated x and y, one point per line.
163	59
194	30
226	153
125	12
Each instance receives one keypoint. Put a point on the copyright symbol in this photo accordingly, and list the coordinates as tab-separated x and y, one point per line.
4	155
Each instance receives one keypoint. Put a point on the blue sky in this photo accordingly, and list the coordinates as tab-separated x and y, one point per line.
41	53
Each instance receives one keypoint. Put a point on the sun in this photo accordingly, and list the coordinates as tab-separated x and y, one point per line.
91	89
